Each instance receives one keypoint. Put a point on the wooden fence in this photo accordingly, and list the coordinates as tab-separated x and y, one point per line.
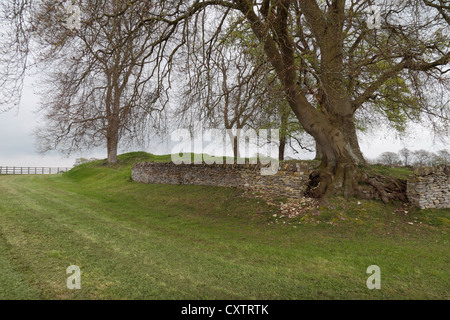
32	170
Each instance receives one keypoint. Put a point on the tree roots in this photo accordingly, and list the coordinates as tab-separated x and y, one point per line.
352	181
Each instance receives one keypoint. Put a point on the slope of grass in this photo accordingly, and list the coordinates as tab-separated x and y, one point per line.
396	172
135	241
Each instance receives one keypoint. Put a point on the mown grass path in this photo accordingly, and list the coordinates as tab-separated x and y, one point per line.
136	241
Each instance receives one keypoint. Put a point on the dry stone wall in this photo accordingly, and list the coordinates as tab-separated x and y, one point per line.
290	181
427	188
430	187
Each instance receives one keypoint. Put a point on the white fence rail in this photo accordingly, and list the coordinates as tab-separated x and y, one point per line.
32	170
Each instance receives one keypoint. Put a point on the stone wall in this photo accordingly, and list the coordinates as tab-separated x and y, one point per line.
427	188
430	187
290	181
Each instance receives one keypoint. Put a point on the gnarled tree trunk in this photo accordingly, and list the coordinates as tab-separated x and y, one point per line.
343	169
339	171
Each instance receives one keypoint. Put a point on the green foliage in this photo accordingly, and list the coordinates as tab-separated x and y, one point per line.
240	36
397	103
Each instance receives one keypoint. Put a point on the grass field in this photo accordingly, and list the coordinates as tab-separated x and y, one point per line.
135	241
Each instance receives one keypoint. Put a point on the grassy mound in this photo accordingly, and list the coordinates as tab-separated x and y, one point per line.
136	241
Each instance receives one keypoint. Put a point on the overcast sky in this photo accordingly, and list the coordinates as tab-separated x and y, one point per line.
17	143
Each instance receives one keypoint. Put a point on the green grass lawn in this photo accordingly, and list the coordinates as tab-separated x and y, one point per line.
135	241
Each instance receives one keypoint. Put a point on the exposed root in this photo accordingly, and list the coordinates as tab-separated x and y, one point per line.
353	181
387	188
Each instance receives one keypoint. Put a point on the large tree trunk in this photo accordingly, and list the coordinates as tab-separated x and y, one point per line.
235	142
282	148
338	172
285	110
235	148
112	141
343	168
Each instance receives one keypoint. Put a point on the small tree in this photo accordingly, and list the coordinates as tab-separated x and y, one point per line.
442	157
389	158
405	154
422	158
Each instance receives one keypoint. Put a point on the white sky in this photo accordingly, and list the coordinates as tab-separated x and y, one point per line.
17	143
